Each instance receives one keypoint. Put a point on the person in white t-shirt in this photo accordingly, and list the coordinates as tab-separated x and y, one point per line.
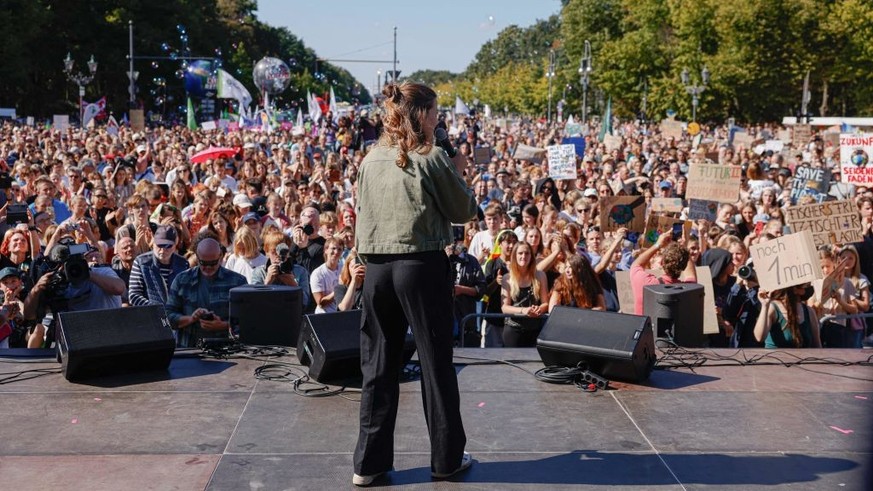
325	278
480	245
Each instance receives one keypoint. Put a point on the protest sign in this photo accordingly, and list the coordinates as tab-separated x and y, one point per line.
741	138
578	142
801	135
667	205
826	287
562	161
137	119
855	152
786	261
702	209
61	121
574	129
208	125
660	224
622	211
671	128
710	318
612	142
714	182
784	136
831	139
482	155
831	222
809	181
527	152
625	292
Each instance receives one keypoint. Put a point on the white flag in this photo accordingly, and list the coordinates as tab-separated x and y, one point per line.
112	126
460	107
333	108
314	108
231	88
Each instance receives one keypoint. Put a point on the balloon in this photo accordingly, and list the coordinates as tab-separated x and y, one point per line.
271	75
200	80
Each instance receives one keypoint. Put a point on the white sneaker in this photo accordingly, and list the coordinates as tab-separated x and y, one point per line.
365	480
466	462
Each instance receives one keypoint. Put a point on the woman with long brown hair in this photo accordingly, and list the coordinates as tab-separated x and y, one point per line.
578	287
785	321
409	194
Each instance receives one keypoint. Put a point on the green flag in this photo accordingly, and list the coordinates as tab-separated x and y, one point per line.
606	124
192	122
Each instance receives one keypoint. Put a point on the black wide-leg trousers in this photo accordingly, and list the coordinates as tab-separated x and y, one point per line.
402	290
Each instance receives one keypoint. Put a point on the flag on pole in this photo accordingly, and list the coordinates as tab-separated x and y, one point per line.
231	88
299	122
460	107
314	109
112	126
606	124
192	121
92	110
333	108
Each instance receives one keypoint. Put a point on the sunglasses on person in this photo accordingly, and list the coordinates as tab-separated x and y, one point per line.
170	246
208	264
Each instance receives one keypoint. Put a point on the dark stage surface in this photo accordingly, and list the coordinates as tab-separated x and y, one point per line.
210	424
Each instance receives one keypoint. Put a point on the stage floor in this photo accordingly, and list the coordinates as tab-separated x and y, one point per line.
210	424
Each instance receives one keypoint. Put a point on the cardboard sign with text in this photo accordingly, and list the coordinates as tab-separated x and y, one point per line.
625	292
809	181
741	138
660	224
714	182
801	135
667	205
527	152
702	209
623	211
855	154
61	122
831	222
671	128
704	278
481	155
612	142
137	119
562	161
786	261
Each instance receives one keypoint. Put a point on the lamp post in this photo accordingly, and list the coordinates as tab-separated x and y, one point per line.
585	69
80	79
695	90
550	75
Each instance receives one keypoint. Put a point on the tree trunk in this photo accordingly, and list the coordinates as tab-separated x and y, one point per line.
823	109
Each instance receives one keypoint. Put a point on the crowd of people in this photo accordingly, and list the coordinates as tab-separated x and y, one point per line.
154	227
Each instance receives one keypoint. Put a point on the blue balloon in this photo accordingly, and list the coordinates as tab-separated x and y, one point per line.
200	79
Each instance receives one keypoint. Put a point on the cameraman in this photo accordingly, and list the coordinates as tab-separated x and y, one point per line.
743	307
66	282
280	268
469	284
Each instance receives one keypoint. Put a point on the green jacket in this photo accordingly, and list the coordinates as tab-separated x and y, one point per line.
409	210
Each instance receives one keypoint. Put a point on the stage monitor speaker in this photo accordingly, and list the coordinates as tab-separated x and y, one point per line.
106	342
612	345
676	312
330	345
267	315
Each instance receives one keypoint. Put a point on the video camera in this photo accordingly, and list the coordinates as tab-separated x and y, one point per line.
67	265
747	272
286	266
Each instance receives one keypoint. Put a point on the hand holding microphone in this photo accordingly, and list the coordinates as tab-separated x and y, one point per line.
441	139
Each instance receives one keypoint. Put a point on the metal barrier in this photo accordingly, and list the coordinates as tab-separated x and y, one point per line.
484	315
826	318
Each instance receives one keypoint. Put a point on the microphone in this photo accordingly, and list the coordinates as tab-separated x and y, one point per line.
442	140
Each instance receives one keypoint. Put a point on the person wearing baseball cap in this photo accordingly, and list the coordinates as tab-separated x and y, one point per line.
15	332
153	272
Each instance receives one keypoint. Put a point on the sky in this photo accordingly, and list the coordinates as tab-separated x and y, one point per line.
443	36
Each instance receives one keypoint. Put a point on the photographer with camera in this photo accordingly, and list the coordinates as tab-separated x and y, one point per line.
280	268
743	308
65	282
152	273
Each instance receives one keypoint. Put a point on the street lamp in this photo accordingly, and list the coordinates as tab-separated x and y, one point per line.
585	69
695	90
550	75
80	79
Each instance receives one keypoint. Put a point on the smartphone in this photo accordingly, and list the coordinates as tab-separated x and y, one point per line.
16	213
677	231
207	317
308	229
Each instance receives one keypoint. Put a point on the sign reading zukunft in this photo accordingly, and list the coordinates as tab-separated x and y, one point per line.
714	182
786	261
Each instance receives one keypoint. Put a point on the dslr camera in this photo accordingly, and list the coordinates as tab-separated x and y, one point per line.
68	269
747	272
286	265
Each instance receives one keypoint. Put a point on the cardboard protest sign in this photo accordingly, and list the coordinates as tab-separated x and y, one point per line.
786	261
831	222
527	152
612	142
710	318
855	152
61	121
667	205
208	125
137	119
714	182
625	292
671	128
660	224
702	209
741	138
826	287
623	211
481	155
562	161
801	135
784	136
809	181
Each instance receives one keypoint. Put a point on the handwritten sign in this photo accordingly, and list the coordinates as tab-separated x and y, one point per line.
667	205
831	222
714	182
801	135
855	154
612	142
786	261
710	318
809	181
482	155
625	292
562	161
527	152
741	138
671	128
660	224
61	122
702	209
623	211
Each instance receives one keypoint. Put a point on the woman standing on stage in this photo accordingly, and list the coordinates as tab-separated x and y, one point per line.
409	194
